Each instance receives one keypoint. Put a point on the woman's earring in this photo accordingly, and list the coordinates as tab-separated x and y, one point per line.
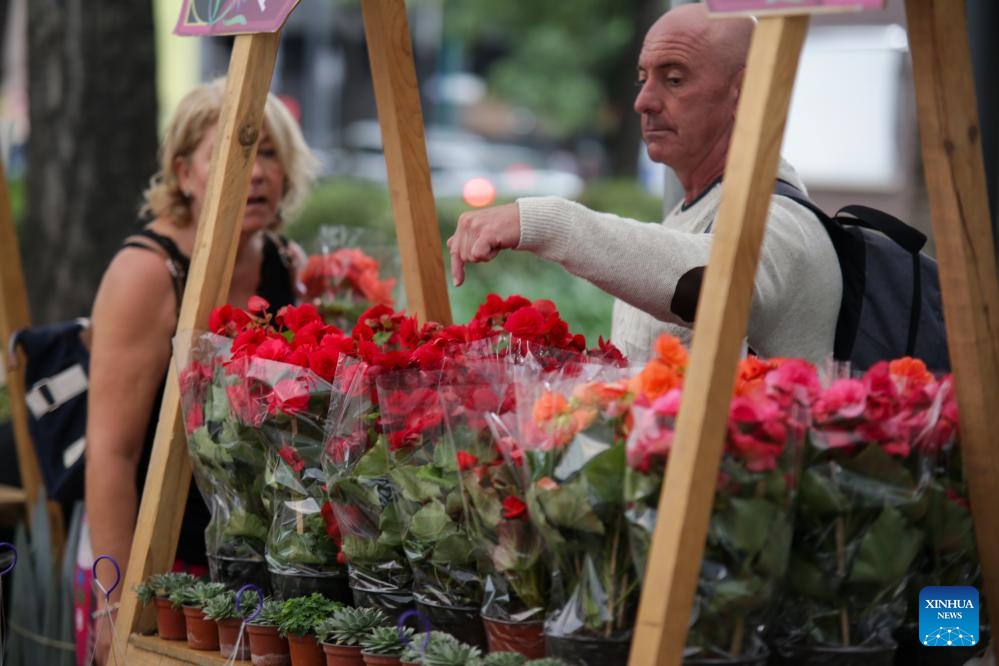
187	194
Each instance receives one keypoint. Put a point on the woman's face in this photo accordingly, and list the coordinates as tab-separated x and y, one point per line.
266	180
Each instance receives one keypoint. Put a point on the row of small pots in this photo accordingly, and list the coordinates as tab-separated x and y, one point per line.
262	645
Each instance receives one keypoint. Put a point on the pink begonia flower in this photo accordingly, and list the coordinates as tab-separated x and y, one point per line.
844	399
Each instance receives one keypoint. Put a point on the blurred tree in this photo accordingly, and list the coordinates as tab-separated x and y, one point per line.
92	91
571	63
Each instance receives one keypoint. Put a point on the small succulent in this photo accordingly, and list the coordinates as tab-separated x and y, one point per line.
502	659
449	653
348	626
223	607
161	585
196	594
300	615
413	654
270	613
388	641
545	661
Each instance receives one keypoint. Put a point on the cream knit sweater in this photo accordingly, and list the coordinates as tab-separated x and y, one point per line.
798	286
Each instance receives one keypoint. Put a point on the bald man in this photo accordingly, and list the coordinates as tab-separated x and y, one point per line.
691	70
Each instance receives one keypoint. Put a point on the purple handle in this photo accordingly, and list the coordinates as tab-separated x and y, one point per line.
13	562
117	573
424	623
260	601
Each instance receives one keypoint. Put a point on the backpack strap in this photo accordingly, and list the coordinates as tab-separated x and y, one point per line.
176	263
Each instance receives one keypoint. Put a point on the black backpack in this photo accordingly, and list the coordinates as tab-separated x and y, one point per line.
891	292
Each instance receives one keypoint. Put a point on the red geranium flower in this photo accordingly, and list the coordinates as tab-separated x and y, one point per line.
513	508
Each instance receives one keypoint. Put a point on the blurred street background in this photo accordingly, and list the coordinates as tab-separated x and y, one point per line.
519	99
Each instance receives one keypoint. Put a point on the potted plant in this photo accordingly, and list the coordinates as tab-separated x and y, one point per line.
202	634
341	633
383	646
503	659
169	617
222	609
298	620
445	650
412	654
267	646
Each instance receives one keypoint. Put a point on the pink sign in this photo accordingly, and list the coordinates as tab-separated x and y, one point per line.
232	17
791	6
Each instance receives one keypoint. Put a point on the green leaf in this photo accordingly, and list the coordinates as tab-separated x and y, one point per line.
415	483
874	464
604	474
375	462
568	506
810	581
886	551
431	523
819	496
453	550
746	524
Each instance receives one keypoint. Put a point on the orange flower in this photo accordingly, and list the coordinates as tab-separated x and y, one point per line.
600	394
549	407
750	374
910	370
656	379
671	352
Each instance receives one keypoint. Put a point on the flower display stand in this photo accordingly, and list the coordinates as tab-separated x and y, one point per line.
957	194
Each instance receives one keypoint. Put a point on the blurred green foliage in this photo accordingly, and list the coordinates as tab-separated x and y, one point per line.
562	60
586	309
15	190
4	404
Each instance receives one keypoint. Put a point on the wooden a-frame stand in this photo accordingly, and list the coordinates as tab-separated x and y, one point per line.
956	185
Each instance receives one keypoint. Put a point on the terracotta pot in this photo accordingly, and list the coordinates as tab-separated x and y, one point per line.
267	647
343	655
170	622
305	651
380	660
229	636
202	634
527	638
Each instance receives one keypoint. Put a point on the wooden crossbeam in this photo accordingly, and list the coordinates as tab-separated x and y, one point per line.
687	495
955	181
161	511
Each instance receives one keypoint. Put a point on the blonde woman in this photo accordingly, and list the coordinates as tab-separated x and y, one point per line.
135	312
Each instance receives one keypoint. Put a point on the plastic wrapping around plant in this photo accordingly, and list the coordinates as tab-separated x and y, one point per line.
868	506
352	270
226	450
749	534
424	472
289	404
362	493
572	431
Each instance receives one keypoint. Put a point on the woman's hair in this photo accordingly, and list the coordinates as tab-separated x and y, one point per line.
198	112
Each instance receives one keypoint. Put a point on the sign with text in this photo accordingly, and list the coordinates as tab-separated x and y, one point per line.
759	7
232	17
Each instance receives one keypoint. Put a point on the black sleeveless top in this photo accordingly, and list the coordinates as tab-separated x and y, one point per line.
277	288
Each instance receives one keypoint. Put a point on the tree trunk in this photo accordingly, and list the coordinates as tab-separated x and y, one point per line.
92	92
624	143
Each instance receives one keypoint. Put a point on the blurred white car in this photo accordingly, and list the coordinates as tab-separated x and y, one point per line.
462	164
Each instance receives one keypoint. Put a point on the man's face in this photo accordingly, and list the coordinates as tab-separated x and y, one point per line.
687	100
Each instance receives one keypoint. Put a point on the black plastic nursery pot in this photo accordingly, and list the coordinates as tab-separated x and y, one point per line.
332	586
757	660
462	622
393	602
838	655
588	650
235	572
